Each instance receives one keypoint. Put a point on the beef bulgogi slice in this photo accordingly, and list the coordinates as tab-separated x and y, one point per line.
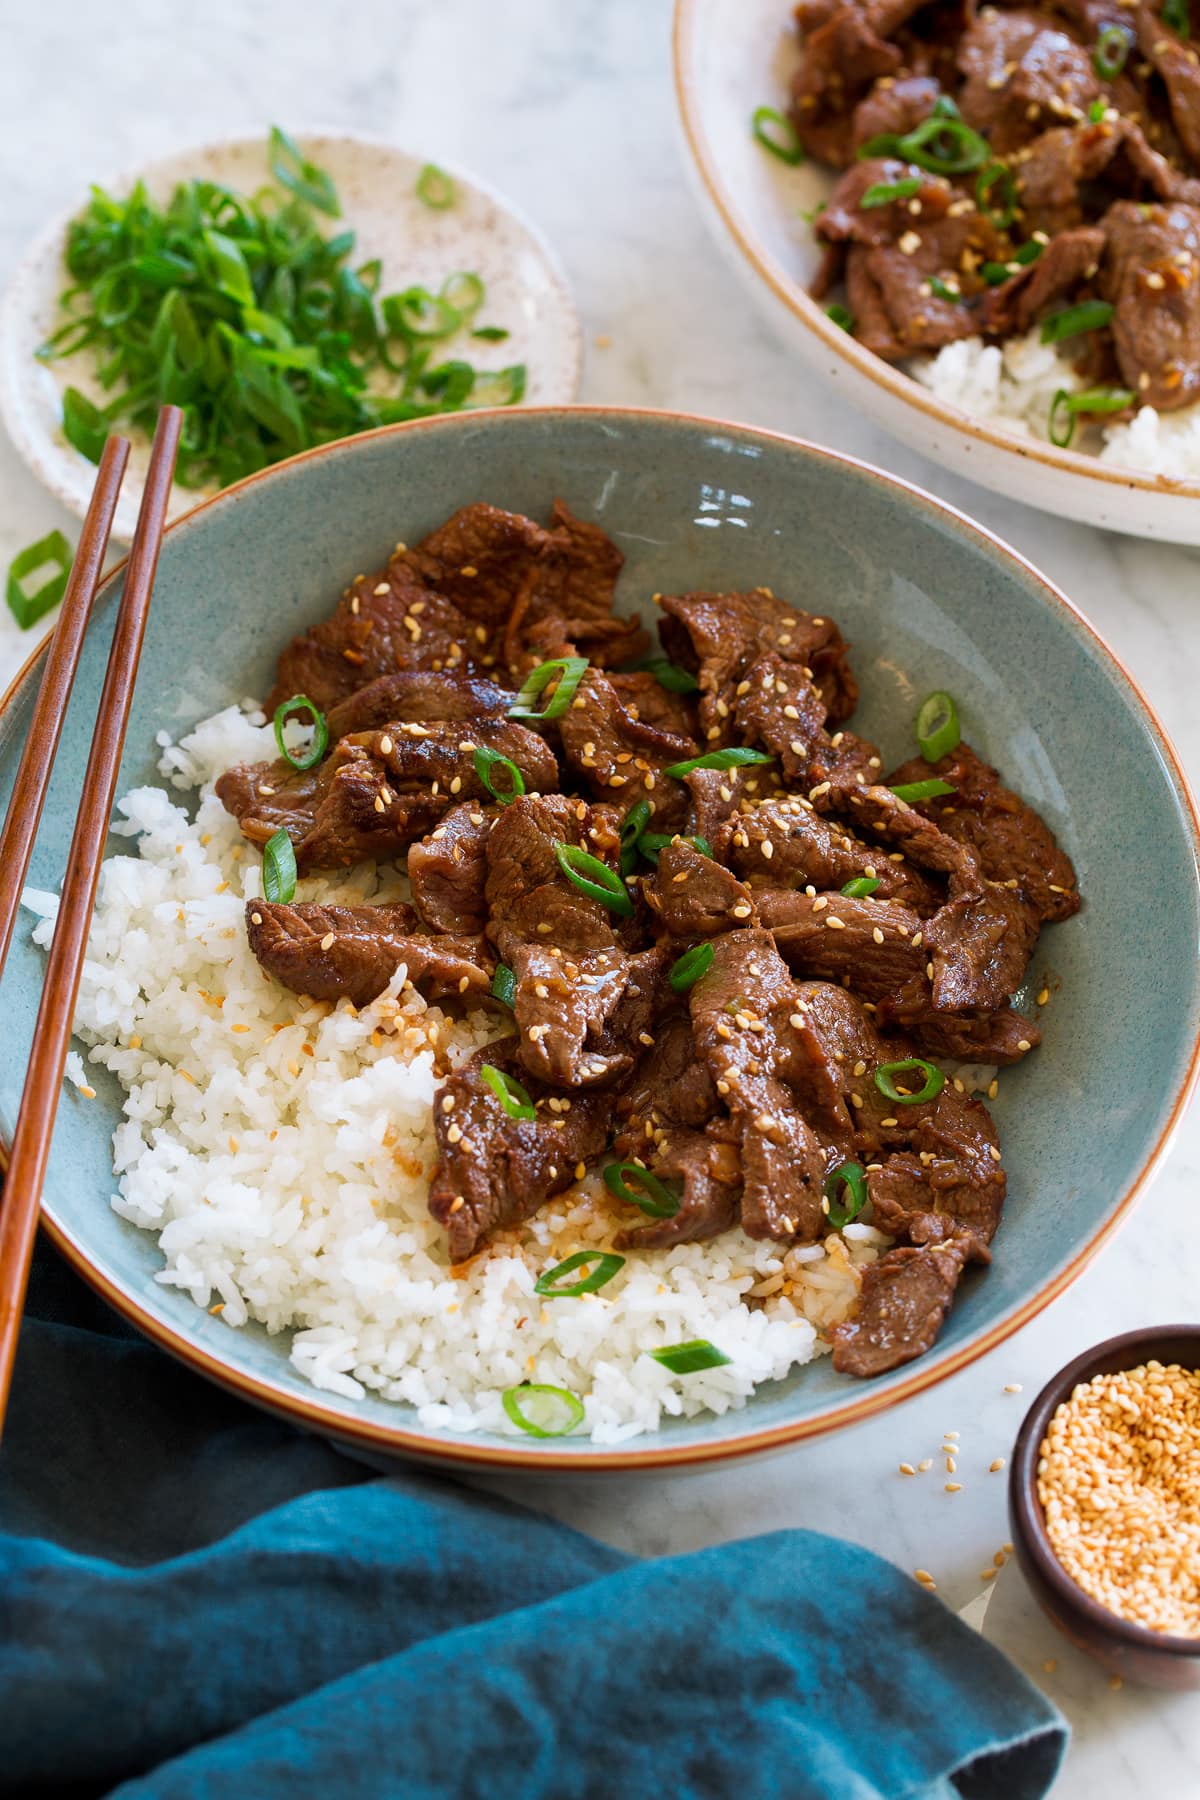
785	843
844	55
980	944
1151	274
845	220
904	1299
569	609
706	1171
493	1171
1175	61
719	636
529	899
696	896
1068	260
896	110
417	696
621	757
1056	176
1022	69
644	697
379	790
741	1011
778	709
583	1019
1013	844
352	952
868	942
1003	1036
448	870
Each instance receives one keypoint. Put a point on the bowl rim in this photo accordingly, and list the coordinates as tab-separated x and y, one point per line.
314	1413
891	380
1133	1348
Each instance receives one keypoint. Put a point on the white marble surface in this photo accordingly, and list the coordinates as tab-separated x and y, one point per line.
567	106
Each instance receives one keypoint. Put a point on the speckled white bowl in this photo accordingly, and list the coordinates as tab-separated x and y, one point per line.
734	55
527	291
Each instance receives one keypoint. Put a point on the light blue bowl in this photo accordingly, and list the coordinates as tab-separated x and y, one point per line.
927	599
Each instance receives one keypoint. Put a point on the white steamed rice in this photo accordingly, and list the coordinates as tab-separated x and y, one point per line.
1015	383
281	1154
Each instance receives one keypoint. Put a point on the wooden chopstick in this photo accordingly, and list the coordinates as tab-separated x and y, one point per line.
52	1033
62	660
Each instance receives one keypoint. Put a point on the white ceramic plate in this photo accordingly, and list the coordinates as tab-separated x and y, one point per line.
527	292
734	55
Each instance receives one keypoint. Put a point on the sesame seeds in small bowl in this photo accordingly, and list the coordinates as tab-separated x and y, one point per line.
1104	1496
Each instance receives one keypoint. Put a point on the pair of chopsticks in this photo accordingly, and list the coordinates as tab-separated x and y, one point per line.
52	1034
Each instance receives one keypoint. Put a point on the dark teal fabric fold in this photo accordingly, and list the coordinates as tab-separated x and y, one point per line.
196	1600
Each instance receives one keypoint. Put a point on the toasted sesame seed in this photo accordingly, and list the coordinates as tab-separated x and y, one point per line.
954	1487
924	1466
1012	1387
995	1466
256	918
907	1469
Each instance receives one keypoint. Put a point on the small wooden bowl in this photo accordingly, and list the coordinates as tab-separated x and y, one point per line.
1155	1659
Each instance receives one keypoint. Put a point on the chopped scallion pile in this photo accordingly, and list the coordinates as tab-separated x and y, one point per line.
246	311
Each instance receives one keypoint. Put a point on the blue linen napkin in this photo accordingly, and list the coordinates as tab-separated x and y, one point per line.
197	1600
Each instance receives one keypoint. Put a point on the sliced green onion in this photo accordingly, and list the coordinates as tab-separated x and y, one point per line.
671	676
500	387
319	742
860	887
852	1177
882	193
489	764
933	1080
736	757
938	729
511	1095
464	291
1065	408
946	146
435	188
811	214
279	869
942	291
632	827
997	174
491	334
513	1399
885	143
1175	14
594	878
1096	111
1089	315
569	671
785	144
690	1358
656	1199
292	170
694	963
84	425
504	985
1111	52
841	315
550	1285
944	108
51	555
923	790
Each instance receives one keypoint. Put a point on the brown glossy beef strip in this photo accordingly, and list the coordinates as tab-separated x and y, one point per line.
1022	70
695	896
1013	843
583	1020
529	899
786	843
352	952
979	945
867	943
904	1299
706	1172
1067	262
493	1171
418	696
448	870
1175	61
1003	1036
379	790
621	757
844	55
719	636
569	608
1151	275
893	111
741	1016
